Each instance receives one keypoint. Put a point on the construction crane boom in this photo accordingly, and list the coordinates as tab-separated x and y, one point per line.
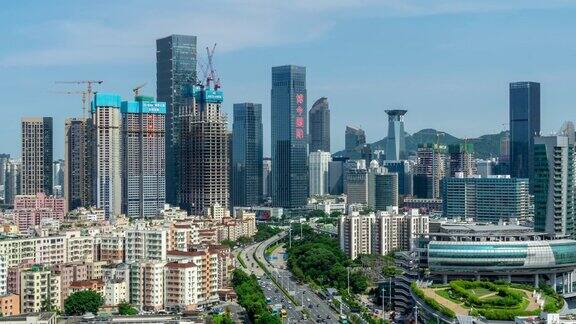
87	94
136	90
83	94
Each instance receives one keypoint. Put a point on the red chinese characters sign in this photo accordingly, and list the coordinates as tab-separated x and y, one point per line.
299	120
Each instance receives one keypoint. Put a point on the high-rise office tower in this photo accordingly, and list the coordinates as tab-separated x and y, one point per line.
430	168
107	120
289	139
396	143
554	177
79	151
319	163
267	178
461	159
404	170
524	126
336	175
319	126
143	152
489	199
355	139
382	188
175	69
203	151
356	182
37	155
247	155
58	178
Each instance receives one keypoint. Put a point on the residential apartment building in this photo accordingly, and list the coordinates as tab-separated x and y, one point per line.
29	210
37	155
107	121
181	285
37	286
147	284
381	232
146	244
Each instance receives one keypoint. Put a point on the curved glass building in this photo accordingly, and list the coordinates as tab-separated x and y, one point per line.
500	252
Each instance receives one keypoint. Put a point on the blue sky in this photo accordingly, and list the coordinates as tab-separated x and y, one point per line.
447	61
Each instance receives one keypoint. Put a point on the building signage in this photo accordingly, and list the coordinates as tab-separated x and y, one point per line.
299	120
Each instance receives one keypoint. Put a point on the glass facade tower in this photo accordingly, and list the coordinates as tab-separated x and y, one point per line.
289	138
396	143
524	125
247	155
320	126
175	69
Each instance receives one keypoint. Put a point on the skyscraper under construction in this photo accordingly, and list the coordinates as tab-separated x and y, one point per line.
143	157
203	150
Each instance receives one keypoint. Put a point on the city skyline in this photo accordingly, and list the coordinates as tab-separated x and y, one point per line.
415	62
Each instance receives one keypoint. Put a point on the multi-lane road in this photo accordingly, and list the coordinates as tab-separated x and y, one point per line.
309	306
271	291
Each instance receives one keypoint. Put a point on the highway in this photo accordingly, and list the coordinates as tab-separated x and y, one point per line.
270	290
317	307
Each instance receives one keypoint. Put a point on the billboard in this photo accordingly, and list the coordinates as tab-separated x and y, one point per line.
299	121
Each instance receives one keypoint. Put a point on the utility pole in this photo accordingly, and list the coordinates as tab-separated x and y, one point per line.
301	230
290	232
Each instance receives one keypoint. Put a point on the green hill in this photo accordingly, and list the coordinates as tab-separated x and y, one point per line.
485	146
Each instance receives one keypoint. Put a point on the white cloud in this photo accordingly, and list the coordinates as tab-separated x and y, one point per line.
128	35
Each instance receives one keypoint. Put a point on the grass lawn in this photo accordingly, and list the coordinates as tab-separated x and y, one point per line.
481	292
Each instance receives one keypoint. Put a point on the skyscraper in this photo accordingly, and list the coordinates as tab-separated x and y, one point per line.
355	139
37	155
267	178
289	140
524	125
79	152
319	164
319	126
554	177
13	183
382	188
461	159
430	168
247	156
107	121
356	182
203	151
143	152
175	69
396	143
58	178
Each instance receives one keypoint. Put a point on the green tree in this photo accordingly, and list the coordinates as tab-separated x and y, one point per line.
84	301
125	308
222	319
316	213
335	214
229	243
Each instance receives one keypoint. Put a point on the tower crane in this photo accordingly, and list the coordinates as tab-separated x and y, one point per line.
89	84
212	76
83	94
136	90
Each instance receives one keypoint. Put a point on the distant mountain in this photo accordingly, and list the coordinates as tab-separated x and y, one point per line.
485	146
